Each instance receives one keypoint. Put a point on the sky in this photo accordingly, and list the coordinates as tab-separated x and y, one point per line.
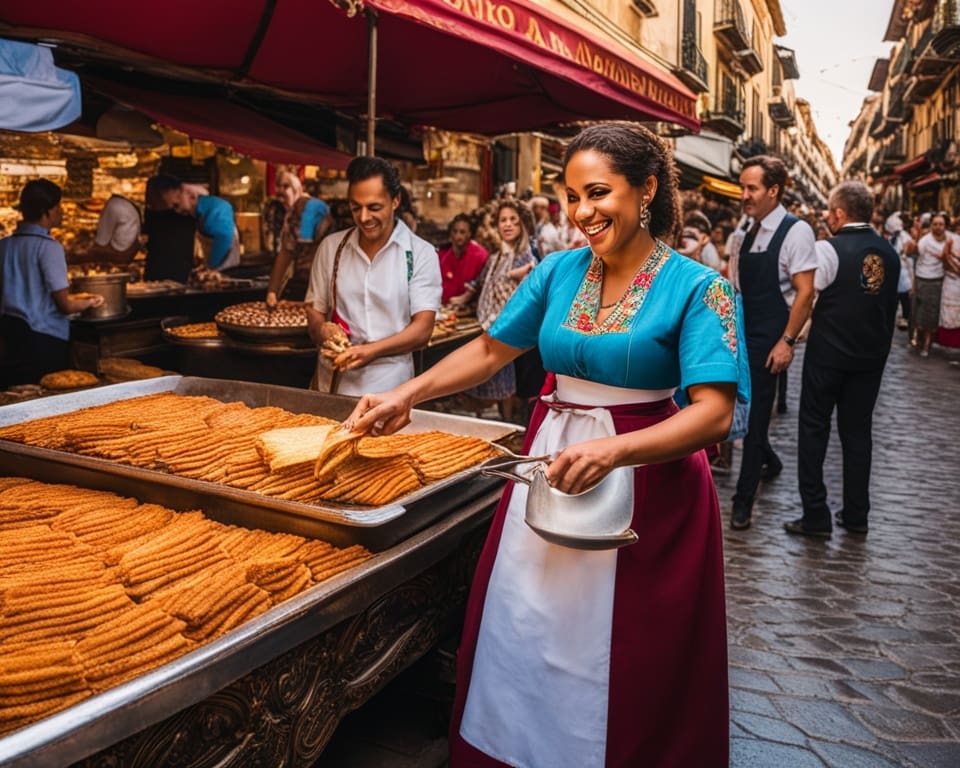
837	43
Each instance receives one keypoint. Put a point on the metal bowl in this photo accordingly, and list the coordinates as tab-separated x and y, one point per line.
597	518
266	334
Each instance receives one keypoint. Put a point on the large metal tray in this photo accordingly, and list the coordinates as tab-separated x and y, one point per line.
266	334
109	717
374	527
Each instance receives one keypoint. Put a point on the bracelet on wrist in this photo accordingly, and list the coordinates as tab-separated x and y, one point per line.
789	340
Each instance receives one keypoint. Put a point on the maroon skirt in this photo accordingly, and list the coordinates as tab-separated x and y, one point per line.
668	700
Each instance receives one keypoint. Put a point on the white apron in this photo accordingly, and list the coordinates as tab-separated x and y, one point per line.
539	687
378	376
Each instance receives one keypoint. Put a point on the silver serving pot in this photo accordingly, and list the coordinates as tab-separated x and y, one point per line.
112	287
597	518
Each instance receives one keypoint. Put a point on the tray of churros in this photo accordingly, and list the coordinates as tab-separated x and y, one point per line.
237	444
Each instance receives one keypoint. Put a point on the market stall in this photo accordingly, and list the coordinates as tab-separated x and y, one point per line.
271	690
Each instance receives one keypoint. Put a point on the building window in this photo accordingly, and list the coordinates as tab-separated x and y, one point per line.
644	7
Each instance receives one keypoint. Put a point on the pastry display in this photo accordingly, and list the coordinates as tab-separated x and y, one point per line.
195	331
96	589
149	287
69	379
255	314
117	369
205	439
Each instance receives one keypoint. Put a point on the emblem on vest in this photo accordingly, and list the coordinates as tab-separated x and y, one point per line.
873	274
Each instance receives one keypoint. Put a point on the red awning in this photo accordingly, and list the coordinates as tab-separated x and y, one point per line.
917	165
228	125
923	181
467	65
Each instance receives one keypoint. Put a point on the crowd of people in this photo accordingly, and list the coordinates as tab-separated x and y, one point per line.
663	321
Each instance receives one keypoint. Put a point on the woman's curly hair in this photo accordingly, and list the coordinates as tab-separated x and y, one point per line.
637	154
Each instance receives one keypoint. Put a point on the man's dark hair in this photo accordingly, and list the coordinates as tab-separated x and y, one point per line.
855	198
774	172
37	197
461	217
636	153
698	220
363	168
157	185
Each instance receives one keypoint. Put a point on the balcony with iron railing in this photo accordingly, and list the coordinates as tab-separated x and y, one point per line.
780	108
925	59
919	88
749	57
945	29
693	65
730	26
894	111
726	113
902	61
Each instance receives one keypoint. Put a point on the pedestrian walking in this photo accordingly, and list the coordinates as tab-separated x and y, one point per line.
850	334
772	268
583	659
928	278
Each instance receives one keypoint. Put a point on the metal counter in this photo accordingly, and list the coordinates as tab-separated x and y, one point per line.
342	524
272	691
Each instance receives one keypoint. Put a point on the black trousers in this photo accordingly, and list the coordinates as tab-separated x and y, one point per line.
854	394
757	450
29	355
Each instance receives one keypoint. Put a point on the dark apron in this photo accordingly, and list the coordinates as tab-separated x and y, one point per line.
296	287
765	311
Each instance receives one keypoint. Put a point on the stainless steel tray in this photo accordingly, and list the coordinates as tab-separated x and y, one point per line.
108	718
265	334
374	527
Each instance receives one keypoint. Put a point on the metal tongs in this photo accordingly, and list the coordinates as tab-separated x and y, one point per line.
501	465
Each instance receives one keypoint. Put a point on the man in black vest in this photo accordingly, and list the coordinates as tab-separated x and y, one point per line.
775	262
847	348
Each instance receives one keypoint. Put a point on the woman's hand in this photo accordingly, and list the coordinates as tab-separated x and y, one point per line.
272	300
583	465
461	300
381	414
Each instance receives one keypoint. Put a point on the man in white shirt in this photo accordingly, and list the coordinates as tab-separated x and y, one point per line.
379	281
772	269
546	234
118	234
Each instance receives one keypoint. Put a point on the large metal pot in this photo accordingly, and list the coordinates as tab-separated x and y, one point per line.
112	287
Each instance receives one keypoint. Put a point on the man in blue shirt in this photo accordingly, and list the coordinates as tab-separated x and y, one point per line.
36	298
215	219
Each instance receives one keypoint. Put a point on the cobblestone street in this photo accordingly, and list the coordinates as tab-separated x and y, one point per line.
846	652
843	653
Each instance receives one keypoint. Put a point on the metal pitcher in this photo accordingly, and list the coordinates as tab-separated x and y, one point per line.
597	518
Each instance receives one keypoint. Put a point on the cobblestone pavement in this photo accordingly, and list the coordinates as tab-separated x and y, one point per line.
846	652
843	653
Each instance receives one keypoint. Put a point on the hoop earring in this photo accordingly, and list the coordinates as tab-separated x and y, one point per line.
644	215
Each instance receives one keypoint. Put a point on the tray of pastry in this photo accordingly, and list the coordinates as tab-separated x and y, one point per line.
200	436
181	330
196	597
254	321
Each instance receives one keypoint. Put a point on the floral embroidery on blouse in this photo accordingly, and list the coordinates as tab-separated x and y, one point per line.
586	304
719	297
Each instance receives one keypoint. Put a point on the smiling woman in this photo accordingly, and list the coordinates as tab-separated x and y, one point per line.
575	658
